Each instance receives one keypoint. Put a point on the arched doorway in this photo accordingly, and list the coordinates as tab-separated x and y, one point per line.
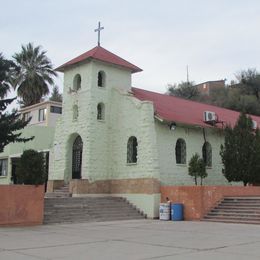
77	158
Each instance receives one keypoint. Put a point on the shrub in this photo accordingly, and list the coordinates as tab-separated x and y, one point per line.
31	168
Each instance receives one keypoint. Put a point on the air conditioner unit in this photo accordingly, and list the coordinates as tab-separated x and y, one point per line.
254	124
209	117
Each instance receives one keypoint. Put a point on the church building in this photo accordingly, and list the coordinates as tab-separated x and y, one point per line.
115	139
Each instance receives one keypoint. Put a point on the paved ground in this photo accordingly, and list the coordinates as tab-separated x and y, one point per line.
140	239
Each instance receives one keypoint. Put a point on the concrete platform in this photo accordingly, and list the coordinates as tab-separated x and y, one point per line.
135	239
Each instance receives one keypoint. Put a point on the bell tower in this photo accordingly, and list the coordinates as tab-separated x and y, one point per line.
89	80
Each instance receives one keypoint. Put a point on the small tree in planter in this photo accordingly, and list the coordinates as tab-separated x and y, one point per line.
197	168
31	168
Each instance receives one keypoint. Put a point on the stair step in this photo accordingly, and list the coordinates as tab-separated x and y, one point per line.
244	203
242	198
92	220
90	214
236	210
77	212
216	214
233	221
84	209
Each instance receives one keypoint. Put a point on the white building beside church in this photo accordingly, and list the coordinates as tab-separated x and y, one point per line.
116	139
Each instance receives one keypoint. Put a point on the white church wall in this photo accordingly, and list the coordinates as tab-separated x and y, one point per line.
100	138
131	117
177	174
69	126
115	77
94	133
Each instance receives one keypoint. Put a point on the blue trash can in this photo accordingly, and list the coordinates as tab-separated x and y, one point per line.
177	211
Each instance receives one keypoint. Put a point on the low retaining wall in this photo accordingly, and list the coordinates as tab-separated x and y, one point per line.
198	200
21	205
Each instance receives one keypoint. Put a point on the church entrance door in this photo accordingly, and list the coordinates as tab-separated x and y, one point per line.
77	158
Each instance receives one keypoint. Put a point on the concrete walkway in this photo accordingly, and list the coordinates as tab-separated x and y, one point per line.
139	239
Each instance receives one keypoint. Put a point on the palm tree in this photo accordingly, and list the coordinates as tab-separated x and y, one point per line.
33	74
6	67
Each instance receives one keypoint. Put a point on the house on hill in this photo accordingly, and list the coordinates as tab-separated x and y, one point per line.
124	141
207	87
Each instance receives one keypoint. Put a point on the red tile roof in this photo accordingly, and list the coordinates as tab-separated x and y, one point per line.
174	109
101	54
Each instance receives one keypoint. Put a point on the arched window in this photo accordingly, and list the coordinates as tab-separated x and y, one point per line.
207	154
75	112
77	82
132	150
100	111
101	79
180	151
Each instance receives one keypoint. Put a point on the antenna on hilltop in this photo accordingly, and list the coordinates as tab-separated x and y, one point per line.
187	68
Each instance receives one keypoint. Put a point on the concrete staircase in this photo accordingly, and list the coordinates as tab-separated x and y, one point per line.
236	210
88	209
62	192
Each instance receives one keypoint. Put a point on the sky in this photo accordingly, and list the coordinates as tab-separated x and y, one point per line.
216	39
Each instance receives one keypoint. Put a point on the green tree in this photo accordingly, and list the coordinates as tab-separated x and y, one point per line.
10	123
185	90
233	97
33	75
249	82
55	95
240	152
197	168
31	168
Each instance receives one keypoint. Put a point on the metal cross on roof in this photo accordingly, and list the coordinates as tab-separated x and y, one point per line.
98	30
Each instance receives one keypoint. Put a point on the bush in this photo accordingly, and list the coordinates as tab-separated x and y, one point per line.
31	168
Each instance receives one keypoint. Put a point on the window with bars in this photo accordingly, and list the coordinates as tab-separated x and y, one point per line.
207	154
77	158
180	151
132	150
3	167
